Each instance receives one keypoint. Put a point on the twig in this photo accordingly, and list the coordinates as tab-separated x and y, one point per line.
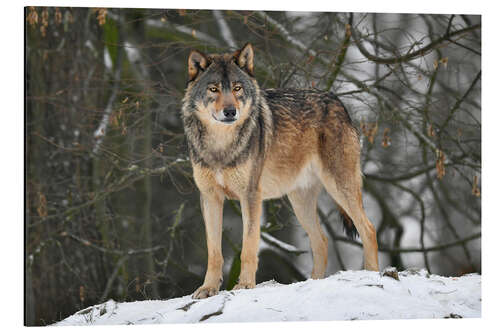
134	173
129	252
422	222
341	57
404	177
112	278
459	101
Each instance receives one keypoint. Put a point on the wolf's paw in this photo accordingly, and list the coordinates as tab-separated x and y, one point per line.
244	285
205	291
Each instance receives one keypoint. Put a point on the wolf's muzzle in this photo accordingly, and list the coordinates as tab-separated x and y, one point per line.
230	112
227	115
230	115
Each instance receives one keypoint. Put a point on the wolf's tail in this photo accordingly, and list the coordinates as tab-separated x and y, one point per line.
349	227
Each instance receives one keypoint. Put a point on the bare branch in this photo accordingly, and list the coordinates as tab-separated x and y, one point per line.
341	57
112	278
129	252
414	249
224	29
415	54
459	101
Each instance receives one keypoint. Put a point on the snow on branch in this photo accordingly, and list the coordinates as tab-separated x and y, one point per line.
286	34
101	130
224	29
280	244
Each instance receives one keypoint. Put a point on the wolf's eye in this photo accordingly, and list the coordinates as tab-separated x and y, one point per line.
237	88
213	89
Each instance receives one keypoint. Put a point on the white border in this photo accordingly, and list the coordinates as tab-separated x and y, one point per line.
12	136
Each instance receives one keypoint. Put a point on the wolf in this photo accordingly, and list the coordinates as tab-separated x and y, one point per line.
250	144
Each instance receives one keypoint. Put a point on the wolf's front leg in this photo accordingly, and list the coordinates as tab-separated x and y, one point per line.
251	210
211	206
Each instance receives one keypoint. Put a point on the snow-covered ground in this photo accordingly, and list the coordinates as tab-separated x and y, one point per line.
347	295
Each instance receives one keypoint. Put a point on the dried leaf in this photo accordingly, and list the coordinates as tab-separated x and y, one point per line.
114	120
475	189
101	15
42	205
57	16
440	164
348	30
137	285
430	131
32	17
45	17
369	130
45	22
386	139
82	294
182	12
444	61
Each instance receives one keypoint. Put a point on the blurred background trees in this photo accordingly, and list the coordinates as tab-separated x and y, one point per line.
111	207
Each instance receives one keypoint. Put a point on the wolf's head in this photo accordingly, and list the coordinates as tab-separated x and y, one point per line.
221	86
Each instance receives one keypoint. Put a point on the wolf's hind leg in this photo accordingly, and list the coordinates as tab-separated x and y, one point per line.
347	194
341	176
304	203
211	206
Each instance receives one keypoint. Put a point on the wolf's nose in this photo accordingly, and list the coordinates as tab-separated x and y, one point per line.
229	112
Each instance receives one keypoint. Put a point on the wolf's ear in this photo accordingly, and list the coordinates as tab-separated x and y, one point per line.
244	58
197	62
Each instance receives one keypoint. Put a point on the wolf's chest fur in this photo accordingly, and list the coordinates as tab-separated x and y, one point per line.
274	182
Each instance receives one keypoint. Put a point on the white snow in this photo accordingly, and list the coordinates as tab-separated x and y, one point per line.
347	295
108	63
